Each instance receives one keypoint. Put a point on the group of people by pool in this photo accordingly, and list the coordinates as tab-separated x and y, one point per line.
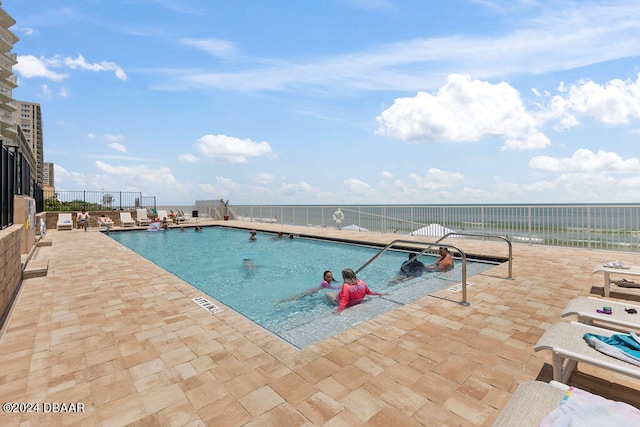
354	290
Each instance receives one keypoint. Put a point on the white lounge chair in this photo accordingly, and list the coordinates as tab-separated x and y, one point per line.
586	309
142	218
556	404
566	344
630	271
126	220
531	403
104	222
162	215
65	222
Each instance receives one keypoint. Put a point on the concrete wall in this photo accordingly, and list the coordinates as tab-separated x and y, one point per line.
10	266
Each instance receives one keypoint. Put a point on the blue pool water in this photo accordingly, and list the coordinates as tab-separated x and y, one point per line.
214	261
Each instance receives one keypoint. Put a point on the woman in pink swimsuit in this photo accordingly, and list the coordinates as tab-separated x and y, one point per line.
353	291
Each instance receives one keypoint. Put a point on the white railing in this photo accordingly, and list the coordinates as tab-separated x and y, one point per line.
614	227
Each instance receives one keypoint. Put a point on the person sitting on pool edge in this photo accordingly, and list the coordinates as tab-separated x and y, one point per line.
353	291
409	269
444	263
327	279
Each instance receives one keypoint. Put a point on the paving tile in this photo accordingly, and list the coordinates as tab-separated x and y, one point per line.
125	338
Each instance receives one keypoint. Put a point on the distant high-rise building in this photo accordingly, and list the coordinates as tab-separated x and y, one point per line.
29	118
47	174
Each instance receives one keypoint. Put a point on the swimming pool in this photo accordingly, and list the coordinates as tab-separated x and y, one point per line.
253	277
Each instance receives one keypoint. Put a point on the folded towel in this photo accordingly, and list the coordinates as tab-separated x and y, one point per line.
616	264
624	347
580	407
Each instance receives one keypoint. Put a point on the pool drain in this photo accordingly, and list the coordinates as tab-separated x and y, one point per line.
207	305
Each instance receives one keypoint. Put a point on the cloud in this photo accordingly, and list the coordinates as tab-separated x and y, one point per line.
614	102
437	179
214	47
228	149
82	64
141	175
113	137
563	36
262	178
386	174
118	147
463	110
29	66
530	142
189	158
586	161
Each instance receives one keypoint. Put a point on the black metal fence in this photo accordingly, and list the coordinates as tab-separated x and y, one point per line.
96	200
15	178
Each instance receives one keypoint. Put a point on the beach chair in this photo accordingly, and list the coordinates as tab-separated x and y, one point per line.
568	347
142	218
622	270
535	402
65	222
163	214
126	220
104	222
180	217
531	403
586	309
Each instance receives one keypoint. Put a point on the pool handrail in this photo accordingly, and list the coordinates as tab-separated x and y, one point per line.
431	244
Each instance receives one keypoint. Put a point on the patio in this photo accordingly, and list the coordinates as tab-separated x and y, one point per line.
111	330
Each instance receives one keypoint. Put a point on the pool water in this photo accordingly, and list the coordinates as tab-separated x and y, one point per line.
256	278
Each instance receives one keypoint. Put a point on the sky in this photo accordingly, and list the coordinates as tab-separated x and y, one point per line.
337	101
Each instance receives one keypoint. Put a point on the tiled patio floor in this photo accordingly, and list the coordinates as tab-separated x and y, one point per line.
110	330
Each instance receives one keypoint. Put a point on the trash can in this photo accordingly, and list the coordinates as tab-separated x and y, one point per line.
194	214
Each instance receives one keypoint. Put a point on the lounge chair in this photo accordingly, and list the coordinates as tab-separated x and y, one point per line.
566	342
180	217
104	222
65	222
142	218
623	270
557	404
586	308
126	220
531	403
162	215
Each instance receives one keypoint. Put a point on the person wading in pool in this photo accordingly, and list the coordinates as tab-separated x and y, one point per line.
353	291
444	263
327	279
409	269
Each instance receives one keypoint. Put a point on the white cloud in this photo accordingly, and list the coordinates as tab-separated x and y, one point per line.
29	66
586	161
437	179
118	147
262	178
91	135
530	142
82	64
189	158
141	175
386	174
463	110
614	102
113	138
229	149
214	47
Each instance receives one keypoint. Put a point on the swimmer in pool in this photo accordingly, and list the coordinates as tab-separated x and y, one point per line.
444	263
353	291
409	269
327	279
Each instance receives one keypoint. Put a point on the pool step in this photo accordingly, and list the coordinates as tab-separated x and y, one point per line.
38	264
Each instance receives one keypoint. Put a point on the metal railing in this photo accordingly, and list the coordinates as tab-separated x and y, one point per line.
95	200
599	226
